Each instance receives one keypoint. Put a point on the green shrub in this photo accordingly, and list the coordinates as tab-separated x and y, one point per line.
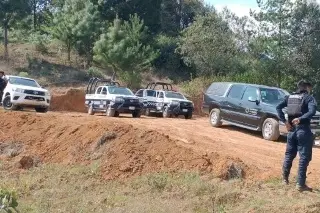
23	74
95	72
40	42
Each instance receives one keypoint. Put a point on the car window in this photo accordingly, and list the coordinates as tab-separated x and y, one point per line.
236	91
217	89
151	93
104	91
120	91
250	92
140	93
99	90
271	96
161	95
174	95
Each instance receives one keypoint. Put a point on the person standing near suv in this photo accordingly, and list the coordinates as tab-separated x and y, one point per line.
301	106
3	83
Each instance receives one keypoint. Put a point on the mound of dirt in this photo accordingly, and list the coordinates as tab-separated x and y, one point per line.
72	100
124	150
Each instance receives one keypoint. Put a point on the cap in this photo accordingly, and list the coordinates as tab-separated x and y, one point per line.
303	83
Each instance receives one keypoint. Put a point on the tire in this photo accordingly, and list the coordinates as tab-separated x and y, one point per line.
136	114
111	112
165	112
90	110
188	116
116	114
41	110
215	118
7	105
147	112
270	129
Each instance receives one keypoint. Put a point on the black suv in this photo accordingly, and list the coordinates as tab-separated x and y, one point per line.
248	106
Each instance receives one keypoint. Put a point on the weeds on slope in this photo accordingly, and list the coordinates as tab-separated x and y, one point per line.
57	188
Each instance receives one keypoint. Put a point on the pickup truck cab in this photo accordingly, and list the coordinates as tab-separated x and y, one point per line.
23	92
165	101
248	106
112	99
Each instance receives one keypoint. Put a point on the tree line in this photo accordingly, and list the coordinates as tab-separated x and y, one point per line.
184	39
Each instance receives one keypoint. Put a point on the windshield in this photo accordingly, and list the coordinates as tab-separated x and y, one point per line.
174	95
151	93
272	96
120	91
23	82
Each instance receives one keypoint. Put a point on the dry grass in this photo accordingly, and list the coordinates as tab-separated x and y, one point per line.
56	188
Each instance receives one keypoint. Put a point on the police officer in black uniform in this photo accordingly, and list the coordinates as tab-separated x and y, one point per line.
301	106
3	84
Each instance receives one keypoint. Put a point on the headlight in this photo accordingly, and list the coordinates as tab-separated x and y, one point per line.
117	99
141	100
18	90
174	102
47	94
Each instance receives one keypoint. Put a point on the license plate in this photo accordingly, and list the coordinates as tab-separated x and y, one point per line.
132	108
184	110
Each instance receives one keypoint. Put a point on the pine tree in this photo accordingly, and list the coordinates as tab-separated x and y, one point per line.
122	48
11	10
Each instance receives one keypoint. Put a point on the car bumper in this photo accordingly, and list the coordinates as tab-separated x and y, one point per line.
22	99
126	108
177	110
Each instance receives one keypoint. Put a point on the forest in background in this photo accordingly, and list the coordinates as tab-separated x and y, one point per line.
185	40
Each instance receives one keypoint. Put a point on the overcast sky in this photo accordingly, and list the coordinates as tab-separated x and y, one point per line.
240	7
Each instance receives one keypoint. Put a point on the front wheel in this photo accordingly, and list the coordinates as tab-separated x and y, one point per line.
270	129
165	112
147	112
111	112
188	116
90	110
41	110
7	104
136	114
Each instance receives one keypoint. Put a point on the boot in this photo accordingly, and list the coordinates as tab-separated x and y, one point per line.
285	180
303	188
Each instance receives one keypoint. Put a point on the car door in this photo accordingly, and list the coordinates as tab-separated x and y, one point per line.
231	108
250	107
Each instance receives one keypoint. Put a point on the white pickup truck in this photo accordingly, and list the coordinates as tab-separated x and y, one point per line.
23	92
112	99
166	101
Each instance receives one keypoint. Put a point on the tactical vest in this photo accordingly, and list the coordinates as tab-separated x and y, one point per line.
295	103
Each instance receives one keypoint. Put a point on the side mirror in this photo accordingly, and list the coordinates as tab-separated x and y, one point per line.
251	99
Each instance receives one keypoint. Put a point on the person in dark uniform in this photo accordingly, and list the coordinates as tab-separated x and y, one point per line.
3	84
301	106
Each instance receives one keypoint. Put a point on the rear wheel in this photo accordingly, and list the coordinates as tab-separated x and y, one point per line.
110	112
136	114
215	118
270	129
41	109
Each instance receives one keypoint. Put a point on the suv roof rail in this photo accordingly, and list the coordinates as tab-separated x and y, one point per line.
165	86
93	82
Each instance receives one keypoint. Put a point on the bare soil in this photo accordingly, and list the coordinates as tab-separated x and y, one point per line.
148	144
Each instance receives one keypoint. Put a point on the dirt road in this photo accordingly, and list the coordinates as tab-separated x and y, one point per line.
52	132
